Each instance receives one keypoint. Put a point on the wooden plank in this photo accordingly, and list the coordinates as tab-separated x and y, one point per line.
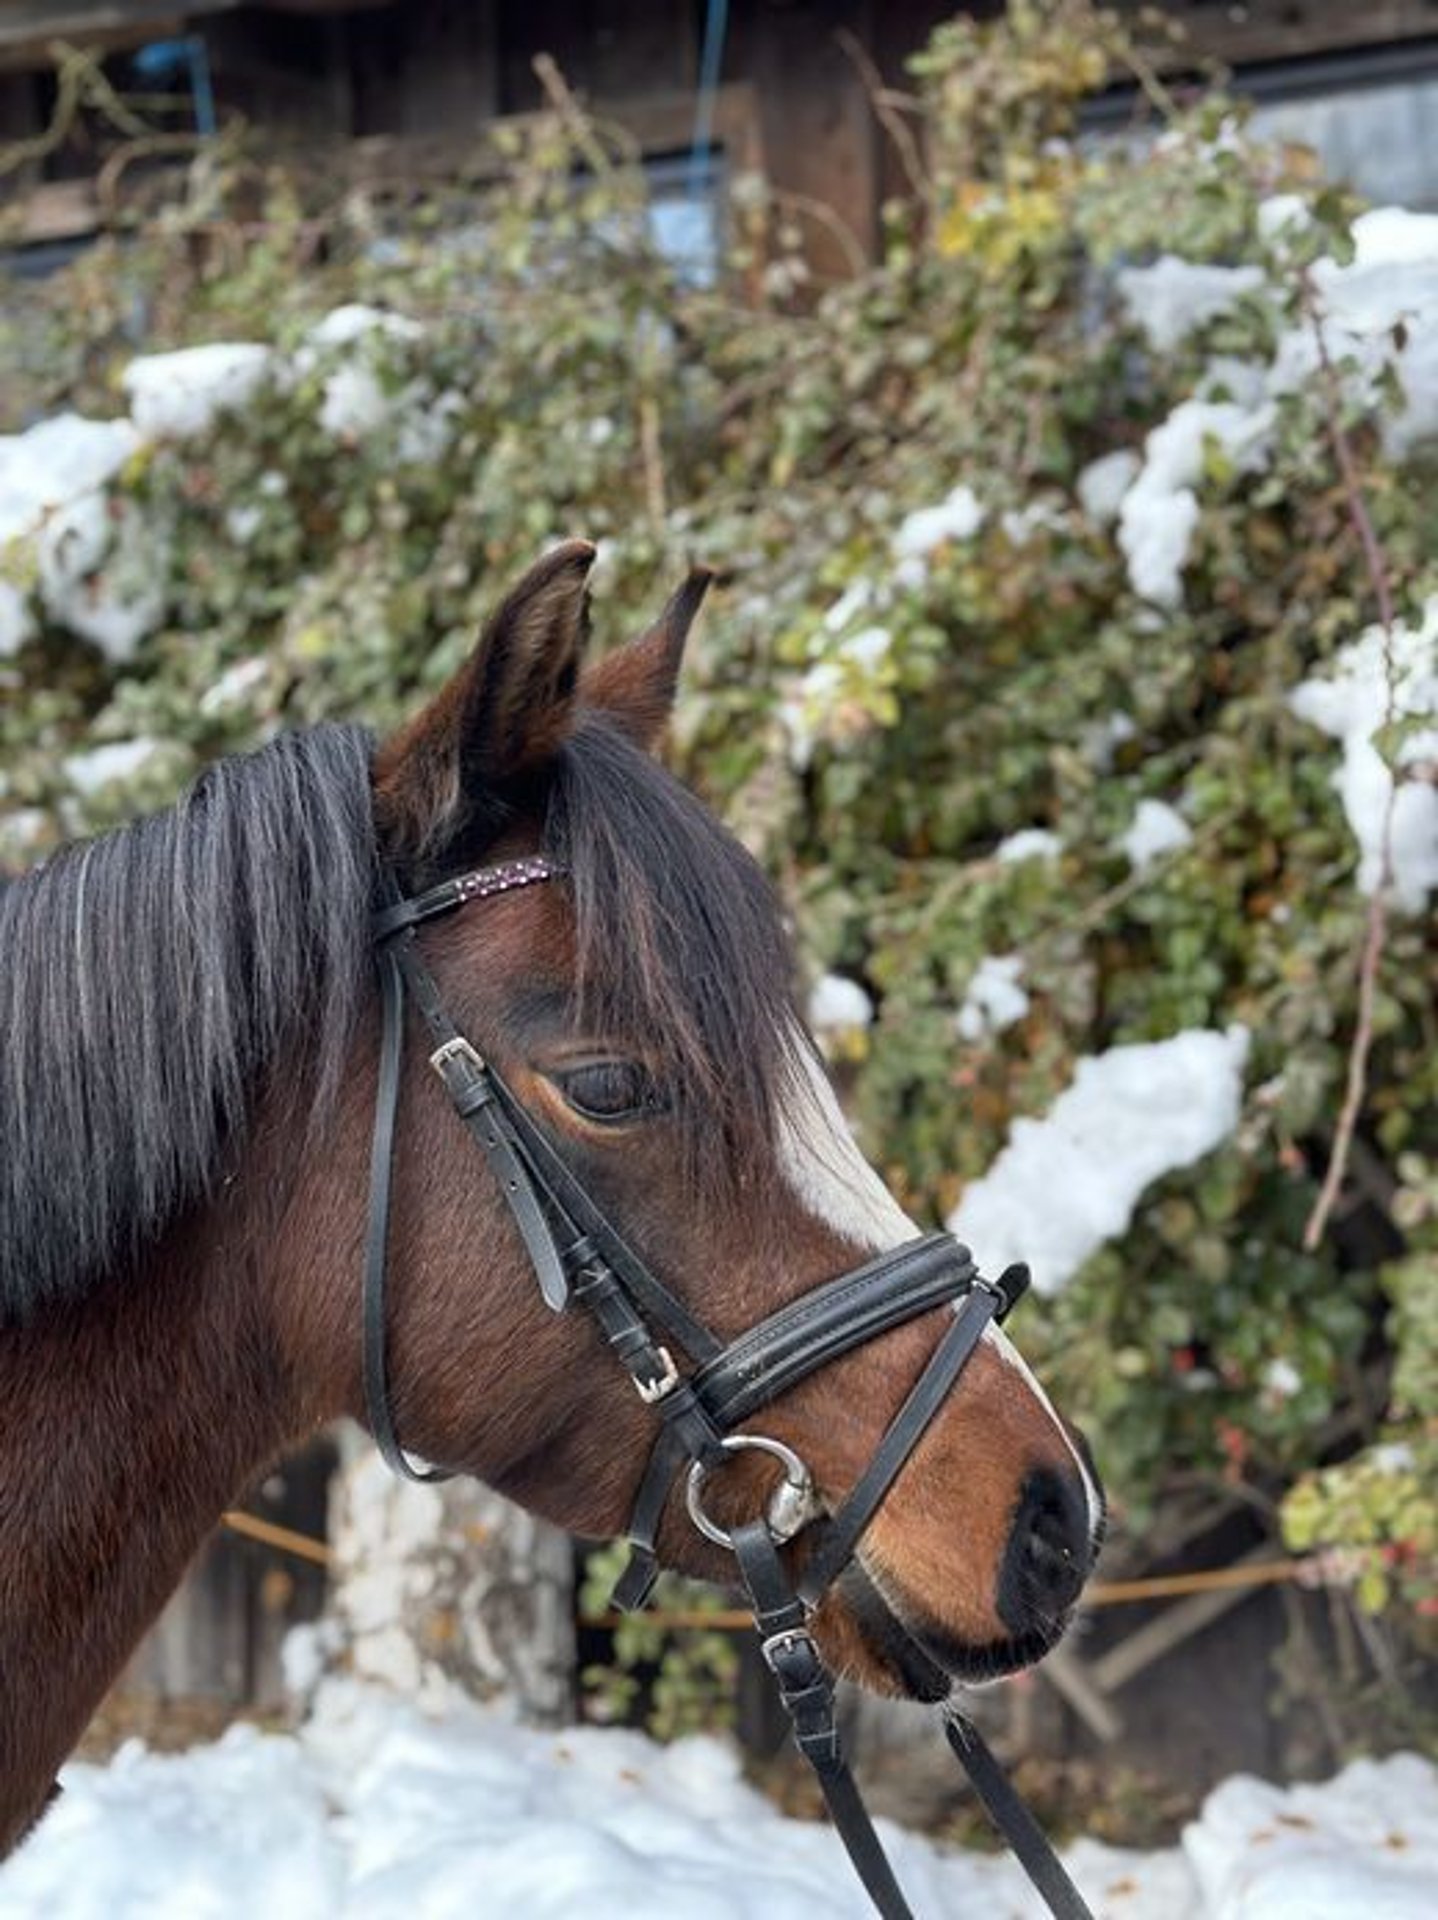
1167	1630
34	55
61	210
1072	1679
1249	32
448	75
21	119
33	24
637	48
820	138
659	124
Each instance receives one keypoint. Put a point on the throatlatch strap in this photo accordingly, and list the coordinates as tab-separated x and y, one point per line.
376	1384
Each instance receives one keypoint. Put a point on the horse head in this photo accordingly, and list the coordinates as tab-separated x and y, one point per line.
639	1013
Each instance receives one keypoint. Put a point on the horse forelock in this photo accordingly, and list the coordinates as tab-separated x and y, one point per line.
680	947
147	981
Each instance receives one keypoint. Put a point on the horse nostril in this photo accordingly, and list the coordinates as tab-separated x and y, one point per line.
1048	1556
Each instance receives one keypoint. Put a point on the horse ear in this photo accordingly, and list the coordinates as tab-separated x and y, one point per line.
503	714
636	684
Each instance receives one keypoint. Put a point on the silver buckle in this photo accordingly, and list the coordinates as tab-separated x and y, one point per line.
456	1049
778	1643
651	1390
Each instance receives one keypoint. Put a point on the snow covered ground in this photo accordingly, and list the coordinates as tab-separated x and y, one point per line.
372	1811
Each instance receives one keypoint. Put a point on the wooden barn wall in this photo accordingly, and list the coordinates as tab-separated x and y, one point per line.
317	71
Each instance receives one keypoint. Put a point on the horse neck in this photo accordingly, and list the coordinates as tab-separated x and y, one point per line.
129	1422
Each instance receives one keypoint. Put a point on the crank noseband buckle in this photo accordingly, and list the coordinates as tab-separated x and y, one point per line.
792	1504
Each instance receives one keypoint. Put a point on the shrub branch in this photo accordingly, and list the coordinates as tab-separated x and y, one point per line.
1376	928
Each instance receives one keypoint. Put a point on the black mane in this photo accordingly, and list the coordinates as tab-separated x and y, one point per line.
148	977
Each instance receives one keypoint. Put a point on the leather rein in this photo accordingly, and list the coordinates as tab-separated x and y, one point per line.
578	1255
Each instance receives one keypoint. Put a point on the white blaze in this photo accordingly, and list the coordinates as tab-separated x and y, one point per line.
835	1183
825	1168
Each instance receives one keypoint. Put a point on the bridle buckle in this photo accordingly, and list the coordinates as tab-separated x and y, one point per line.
664	1382
449	1051
792	1640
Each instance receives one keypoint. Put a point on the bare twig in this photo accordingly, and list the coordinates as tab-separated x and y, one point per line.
655	492
143	146
577	123
806	206
889	107
1376	928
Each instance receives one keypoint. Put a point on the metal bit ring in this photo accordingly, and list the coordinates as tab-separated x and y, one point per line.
791	1506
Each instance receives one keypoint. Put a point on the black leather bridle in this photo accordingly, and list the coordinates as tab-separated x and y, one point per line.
578	1256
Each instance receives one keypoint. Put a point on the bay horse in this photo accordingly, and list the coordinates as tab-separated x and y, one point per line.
193	1029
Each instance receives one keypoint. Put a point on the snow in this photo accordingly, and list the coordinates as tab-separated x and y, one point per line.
1160	510
1373	313
804	712
1029	843
1156	829
23	833
101	566
1365	1845
1281	1379
1391	284
343	326
1066	1183
958	516
1226	377
866	648
371	1811
1019	524
1174	298
1101	740
101	572
836	1003
858	595
51	478
1395	237
121	760
231	692
1350	705
55	462
994	999
16	621
1103	483
174	396
1283	216
355	402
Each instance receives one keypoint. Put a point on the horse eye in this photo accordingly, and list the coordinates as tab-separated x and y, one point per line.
611	1090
